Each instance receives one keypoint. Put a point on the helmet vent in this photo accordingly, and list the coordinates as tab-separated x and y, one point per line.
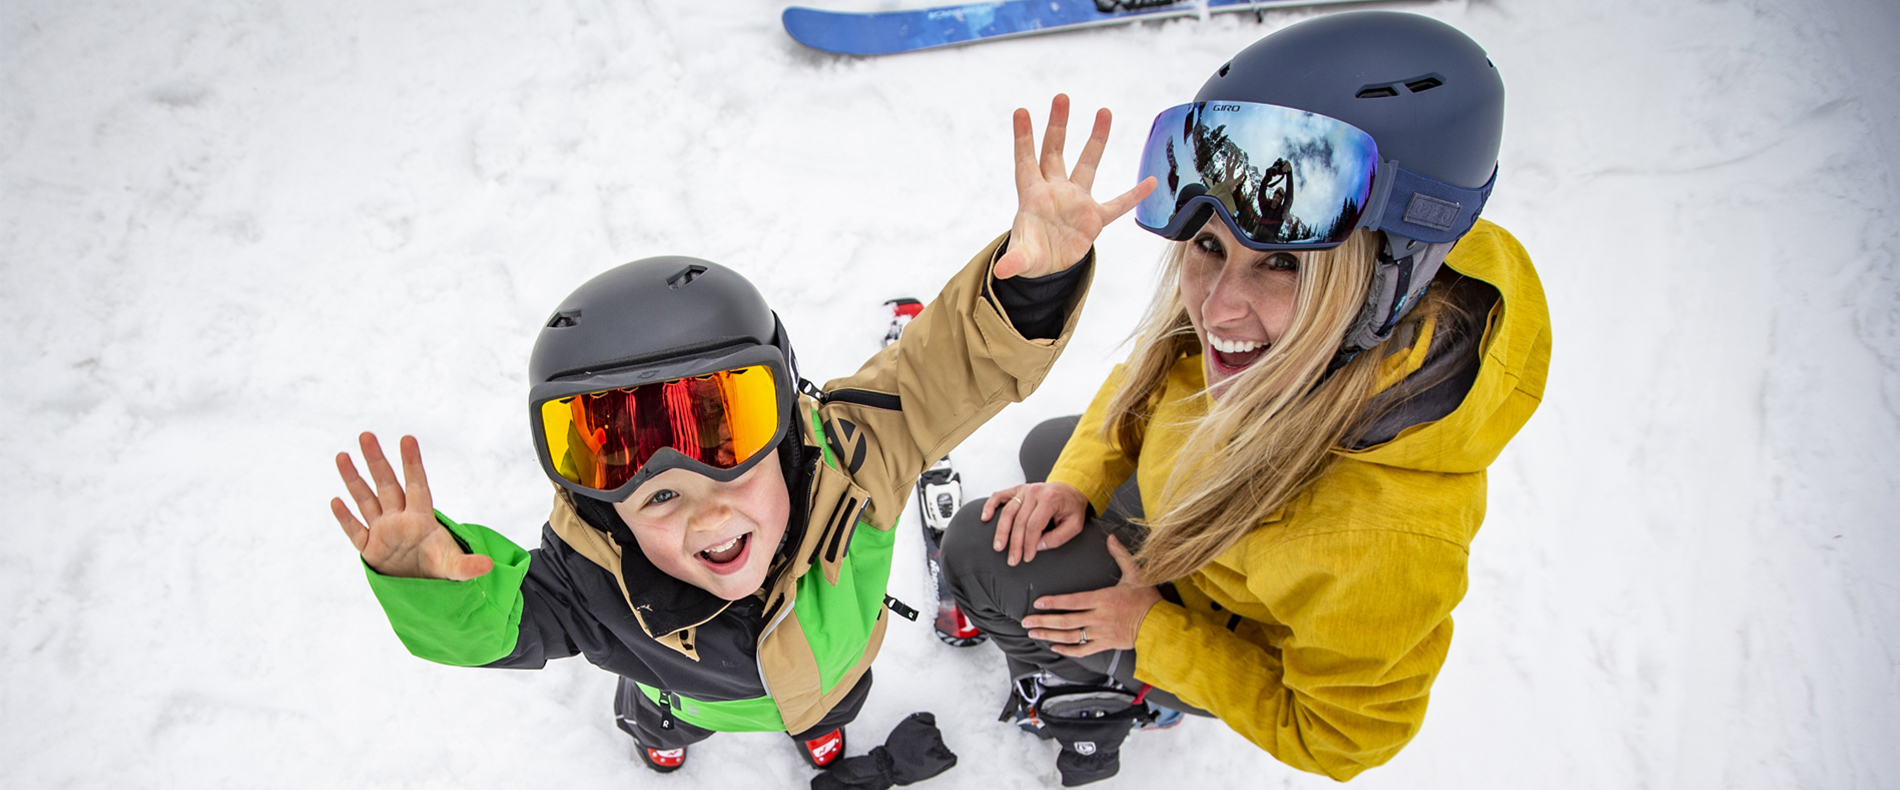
1418	84
685	276
1226	67
564	320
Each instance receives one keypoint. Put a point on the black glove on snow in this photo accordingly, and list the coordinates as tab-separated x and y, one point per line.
914	752
1090	722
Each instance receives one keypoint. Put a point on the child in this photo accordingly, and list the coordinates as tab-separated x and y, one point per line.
722	531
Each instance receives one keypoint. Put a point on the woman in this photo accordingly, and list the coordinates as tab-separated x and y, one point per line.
1297	444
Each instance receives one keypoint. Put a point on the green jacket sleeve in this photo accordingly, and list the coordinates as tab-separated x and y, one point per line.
462	624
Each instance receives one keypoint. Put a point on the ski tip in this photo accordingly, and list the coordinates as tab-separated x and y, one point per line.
906	307
830	31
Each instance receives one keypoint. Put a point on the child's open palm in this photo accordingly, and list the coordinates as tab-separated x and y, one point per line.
401	536
1057	219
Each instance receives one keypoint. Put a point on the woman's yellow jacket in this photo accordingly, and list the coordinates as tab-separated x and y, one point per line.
1319	635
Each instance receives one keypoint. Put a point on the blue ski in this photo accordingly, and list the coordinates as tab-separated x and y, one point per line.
888	32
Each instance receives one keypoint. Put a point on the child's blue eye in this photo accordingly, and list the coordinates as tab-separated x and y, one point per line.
662	496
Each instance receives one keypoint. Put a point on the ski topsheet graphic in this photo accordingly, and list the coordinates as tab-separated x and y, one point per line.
887	32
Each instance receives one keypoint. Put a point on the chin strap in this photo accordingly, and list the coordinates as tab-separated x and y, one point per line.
1400	277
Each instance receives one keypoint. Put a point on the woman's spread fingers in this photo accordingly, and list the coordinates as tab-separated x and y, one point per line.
1016	537
1069	602
1131	572
1036	514
1084	175
1062	533
1003	525
1063	621
996	502
1027	532
1060	636
1078	651
416	481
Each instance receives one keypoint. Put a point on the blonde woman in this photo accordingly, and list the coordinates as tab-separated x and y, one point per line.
1265	514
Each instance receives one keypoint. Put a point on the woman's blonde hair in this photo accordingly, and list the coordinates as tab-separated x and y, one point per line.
1271	432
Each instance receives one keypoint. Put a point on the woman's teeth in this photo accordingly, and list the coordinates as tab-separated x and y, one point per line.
1226	346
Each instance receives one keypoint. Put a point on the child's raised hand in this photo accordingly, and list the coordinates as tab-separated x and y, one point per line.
1057	219
401	537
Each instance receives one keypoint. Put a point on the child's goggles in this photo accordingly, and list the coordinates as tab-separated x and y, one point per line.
1287	179
603	434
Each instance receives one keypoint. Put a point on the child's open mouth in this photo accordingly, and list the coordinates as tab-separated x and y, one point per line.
729	556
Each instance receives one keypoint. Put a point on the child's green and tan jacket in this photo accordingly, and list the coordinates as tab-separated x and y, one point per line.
781	659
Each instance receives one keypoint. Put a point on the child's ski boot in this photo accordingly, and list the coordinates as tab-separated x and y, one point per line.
939	495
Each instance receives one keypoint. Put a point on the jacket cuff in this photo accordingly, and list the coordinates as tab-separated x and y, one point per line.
1039	306
466	623
1098	491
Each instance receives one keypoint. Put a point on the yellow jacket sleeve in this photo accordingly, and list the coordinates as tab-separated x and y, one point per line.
1090	462
1337	677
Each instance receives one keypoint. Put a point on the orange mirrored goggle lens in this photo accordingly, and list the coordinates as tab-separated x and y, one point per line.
601	439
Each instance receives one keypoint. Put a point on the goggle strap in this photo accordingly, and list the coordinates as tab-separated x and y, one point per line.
1434	212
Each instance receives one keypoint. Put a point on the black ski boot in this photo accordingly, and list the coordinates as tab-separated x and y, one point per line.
939	495
1089	721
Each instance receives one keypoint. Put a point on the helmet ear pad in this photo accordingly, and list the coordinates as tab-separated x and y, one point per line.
1401	275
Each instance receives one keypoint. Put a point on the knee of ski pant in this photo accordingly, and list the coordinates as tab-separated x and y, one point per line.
1043	445
969	543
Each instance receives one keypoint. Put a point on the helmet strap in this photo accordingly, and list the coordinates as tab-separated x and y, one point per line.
1401	275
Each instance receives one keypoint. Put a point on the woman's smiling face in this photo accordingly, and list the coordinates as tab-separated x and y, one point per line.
719	537
1240	300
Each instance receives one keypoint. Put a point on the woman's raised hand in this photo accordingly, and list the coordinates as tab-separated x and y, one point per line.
1057	219
1035	516
398	535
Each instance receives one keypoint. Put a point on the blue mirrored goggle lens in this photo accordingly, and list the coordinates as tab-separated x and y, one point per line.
1284	177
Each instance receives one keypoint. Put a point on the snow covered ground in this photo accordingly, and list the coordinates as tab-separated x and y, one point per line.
233	234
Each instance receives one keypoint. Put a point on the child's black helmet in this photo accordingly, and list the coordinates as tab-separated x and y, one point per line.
657	364
653	309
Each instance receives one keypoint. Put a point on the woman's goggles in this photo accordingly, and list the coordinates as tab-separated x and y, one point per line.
1283	178
605	442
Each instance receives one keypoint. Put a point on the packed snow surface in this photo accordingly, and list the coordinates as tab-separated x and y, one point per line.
234	234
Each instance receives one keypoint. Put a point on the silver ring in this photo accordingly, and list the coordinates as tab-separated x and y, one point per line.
1085	636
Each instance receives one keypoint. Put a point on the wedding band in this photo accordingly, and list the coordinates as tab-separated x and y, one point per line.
1085	636
1016	499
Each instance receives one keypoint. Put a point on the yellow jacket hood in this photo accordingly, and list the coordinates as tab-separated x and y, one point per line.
1510	381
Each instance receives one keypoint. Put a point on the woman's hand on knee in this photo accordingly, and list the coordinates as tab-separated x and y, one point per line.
1097	620
1035	516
